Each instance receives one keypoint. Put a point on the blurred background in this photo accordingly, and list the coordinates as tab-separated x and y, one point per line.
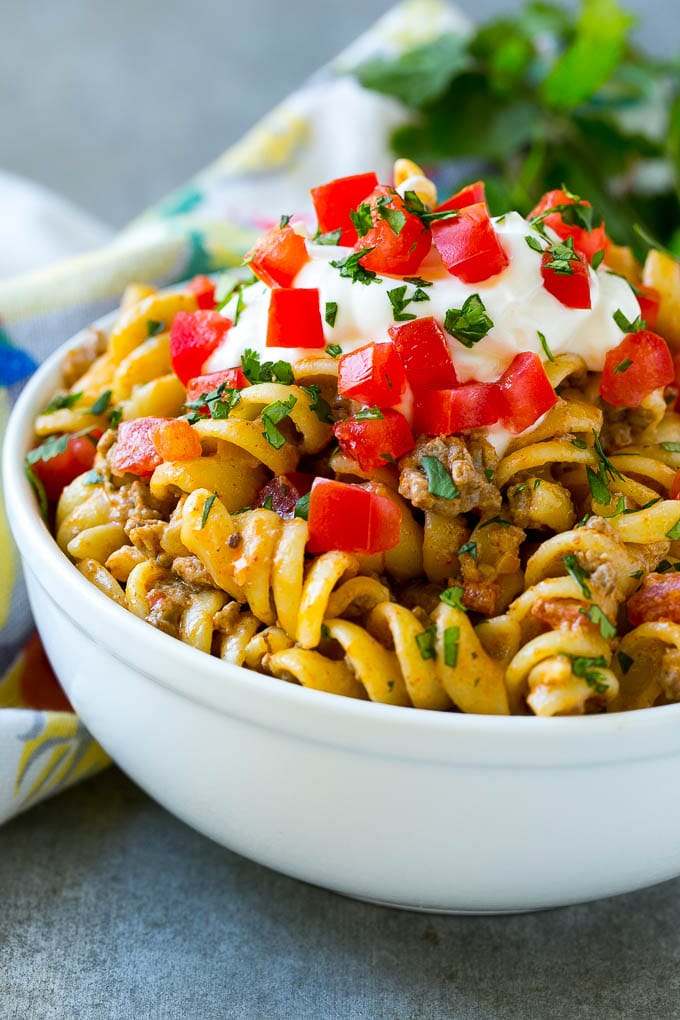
115	104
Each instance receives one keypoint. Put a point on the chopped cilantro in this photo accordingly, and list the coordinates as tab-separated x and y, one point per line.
319	404
451	639
579	444
496	520
598	488
268	503
115	416
331	313
93	478
576	571
330	237
439	481
625	325
351	268
284	221
425	642
470	548
625	662
101	403
62	400
417	281
488	474
544	344
369	414
622	366
269	371
468	324
534	243
399	301
207	507
361	218
302	507
394	218
586	668
597	258
562	255
272	414
664	567
674	532
453	597
334	350
670	447
153	328
596	616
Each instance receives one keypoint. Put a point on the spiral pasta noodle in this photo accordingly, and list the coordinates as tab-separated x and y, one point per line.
531	573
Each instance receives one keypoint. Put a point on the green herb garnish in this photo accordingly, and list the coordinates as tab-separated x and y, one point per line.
351	268
470	548
334	350
586	668
62	400
101	404
576	571
302	507
544	344
330	314
468	324
453	597
369	414
425	642
207	507
272	414
439	480
451	639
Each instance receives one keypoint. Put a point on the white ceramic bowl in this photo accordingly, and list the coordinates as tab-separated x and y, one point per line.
423	810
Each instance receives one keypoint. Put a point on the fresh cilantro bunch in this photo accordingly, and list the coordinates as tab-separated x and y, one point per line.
544	97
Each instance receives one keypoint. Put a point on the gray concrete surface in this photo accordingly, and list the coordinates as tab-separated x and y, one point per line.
109	907
112	910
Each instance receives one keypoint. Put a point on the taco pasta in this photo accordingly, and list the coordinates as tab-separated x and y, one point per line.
424	456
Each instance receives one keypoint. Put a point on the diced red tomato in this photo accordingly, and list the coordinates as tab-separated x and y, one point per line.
471	194
295	318
372	375
526	392
203	289
674	491
399	245
283	491
134	452
444	412
233	379
571	289
588	242
657	598
278	256
349	518
424	352
60	470
469	246
649	300
175	440
334	201
651	366
193	338
375	442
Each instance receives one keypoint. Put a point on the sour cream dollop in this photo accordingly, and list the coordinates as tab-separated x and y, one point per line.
515	300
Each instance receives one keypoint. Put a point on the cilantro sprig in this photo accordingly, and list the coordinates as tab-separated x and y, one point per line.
561	94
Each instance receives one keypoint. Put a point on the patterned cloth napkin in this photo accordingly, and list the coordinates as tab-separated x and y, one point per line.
205	226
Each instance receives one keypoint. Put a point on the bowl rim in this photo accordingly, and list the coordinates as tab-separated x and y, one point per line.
268	701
